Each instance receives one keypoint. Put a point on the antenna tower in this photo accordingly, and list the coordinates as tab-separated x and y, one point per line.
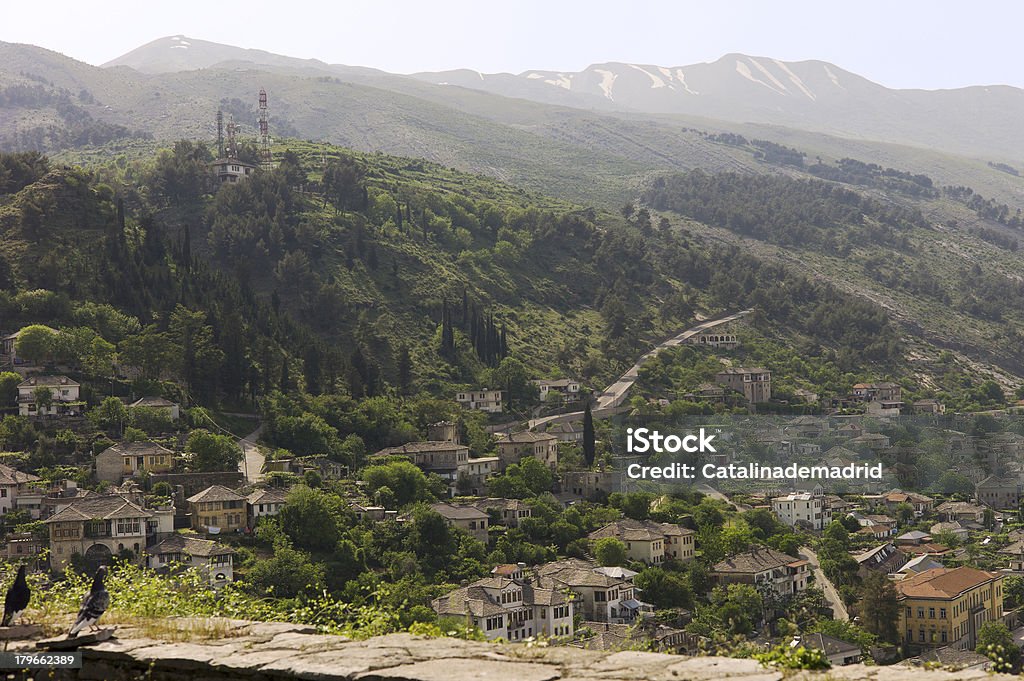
265	158
220	134
232	150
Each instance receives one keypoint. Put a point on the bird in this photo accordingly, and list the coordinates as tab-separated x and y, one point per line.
94	604
17	598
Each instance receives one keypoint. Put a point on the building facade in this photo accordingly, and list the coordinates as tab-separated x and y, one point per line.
948	606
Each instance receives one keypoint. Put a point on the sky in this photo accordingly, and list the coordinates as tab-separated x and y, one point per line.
898	43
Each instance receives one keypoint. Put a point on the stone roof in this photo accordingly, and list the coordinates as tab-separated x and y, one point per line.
145	448
47	382
524	437
574	573
12	476
756	560
628	529
109	507
152	401
476	599
193	546
417	447
215	493
452	512
267	496
943	582
829	644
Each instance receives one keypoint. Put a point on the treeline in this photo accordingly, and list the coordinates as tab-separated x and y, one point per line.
78	127
783	210
852	171
989	209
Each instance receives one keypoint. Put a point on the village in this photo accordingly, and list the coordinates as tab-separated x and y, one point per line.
653	567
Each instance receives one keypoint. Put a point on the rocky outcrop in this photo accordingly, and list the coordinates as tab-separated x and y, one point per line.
278	652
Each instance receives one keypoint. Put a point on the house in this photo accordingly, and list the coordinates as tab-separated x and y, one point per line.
805	510
566	388
927	407
158	404
876	442
264	503
588	485
485	400
231	170
724	341
97	528
960	510
64	396
1015	555
919	564
505	512
511	609
849	429
884	558
648	541
445	458
807	426
472	520
133	459
643	635
599	596
14	484
878	525
512	447
712	393
474	479
212	559
23	547
566	431
998	493
885	391
883	408
217	509
754	383
948	606
959	530
921	504
763	568
913	538
838	652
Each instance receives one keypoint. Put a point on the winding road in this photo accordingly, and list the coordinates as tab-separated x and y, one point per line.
252	461
831	595
614	395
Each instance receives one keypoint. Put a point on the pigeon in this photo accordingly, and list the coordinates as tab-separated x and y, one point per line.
17	598
93	605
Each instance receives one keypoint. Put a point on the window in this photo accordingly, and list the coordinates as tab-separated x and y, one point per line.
931	613
920	613
942	613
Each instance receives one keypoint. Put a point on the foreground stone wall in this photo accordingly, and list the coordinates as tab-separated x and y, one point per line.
276	652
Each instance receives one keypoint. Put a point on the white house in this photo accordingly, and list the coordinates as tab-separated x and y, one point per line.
171	409
264	503
512	609
805	509
568	388
12	484
213	559
64	396
485	400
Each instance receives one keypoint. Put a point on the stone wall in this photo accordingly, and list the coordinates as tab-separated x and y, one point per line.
276	652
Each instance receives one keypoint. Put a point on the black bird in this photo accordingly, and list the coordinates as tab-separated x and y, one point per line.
93	605
17	598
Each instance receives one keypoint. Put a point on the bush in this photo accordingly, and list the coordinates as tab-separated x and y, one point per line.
784	657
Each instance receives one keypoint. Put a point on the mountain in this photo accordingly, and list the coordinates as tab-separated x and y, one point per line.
809	95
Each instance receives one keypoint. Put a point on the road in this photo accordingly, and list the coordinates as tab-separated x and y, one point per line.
831	595
252	461
614	395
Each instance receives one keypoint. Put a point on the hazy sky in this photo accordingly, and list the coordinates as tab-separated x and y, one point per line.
899	43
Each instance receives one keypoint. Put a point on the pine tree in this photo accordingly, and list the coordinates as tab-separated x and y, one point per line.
589	440
880	609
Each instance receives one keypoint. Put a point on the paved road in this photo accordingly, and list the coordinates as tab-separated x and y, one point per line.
831	595
615	394
252	461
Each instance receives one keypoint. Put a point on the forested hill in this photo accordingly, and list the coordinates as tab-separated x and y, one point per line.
363	274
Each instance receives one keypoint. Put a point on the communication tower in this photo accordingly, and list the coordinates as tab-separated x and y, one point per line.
265	158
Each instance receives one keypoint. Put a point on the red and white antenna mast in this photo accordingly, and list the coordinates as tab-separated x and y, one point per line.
265	158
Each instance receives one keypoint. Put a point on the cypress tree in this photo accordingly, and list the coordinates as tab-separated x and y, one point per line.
589	440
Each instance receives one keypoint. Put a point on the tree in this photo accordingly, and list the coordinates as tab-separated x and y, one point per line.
43	397
880	607
110	415
997	643
513	377
286	574
312	519
589	439
9	388
402	479
664	589
36	343
610	552
212	452
343	183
